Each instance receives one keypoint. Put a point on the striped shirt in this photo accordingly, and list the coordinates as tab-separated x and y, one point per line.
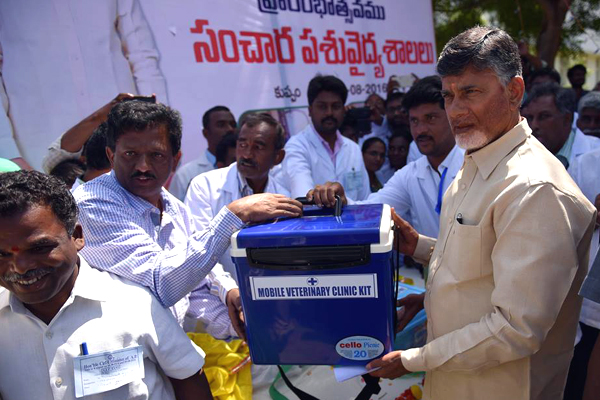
126	235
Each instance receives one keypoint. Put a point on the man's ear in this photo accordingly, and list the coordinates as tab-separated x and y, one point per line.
77	237
279	157
516	91
176	160
111	155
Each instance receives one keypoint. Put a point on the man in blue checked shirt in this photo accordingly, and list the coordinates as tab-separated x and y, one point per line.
136	229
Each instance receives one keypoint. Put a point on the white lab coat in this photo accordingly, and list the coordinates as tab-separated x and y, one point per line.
184	175
583	144
413	191
307	164
209	192
585	171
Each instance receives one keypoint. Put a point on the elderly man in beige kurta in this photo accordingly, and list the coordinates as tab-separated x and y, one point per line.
512	251
501	298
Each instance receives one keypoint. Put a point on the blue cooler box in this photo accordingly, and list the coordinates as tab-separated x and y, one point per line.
318	289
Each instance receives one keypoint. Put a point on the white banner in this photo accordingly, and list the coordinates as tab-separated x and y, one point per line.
261	54
64	59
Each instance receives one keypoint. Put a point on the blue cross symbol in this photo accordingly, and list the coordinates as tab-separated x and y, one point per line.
312	281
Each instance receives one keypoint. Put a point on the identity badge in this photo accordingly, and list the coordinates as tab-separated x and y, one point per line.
98	373
353	180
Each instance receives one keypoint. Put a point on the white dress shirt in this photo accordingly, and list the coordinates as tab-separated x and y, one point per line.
61	60
413	191
582	144
184	175
585	171
211	191
108	314
307	163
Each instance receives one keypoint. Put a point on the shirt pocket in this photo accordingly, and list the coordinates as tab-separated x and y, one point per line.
464	252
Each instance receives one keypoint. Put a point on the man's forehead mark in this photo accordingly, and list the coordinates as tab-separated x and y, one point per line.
15	249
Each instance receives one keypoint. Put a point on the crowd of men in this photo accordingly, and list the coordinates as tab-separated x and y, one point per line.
504	172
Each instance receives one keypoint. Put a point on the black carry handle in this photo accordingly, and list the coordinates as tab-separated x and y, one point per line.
337	208
371	387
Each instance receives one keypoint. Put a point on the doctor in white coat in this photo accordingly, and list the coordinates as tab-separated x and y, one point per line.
416	191
259	149
320	153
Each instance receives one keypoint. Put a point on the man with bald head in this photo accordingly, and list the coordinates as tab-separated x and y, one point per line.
501	299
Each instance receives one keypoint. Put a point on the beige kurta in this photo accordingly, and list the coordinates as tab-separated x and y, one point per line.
501	298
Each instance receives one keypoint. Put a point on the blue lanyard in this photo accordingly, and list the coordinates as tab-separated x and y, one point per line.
438	207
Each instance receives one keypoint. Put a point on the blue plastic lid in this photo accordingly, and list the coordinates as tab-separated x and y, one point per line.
358	224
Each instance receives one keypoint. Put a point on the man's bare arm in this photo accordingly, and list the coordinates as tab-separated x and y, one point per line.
193	388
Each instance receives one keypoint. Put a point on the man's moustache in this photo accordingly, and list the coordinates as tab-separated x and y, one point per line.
31	274
143	174
592	132
247	163
329	119
424	137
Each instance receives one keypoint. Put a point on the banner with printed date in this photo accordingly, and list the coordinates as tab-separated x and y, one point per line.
62	60
261	54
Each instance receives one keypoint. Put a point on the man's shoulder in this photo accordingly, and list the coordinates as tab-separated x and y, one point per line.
591	158
299	138
592	140
351	144
409	171
219	175
104	187
532	165
194	168
585	141
117	288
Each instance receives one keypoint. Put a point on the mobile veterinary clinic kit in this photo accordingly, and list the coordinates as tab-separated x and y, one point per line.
318	289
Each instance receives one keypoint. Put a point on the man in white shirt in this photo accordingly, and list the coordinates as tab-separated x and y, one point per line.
585	171
416	190
320	153
57	308
259	149
549	110
64	59
216	122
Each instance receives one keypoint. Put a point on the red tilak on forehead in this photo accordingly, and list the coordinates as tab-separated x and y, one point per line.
15	248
